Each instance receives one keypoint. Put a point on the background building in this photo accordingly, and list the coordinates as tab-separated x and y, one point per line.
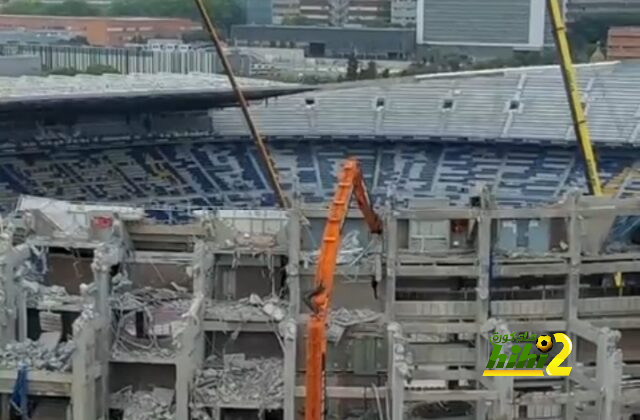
282	9
343	12
624	42
371	43
36	37
483	27
104	31
583	8
403	12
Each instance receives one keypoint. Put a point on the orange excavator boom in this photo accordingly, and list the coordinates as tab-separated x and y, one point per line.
350	183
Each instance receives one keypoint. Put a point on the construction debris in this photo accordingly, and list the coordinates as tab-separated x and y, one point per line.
148	297
440	410
162	313
350	251
37	356
48	297
238	382
350	317
144	405
252	309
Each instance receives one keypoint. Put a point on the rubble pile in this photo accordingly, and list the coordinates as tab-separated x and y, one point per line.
41	296
162	310
341	319
124	349
255	382
439	410
349	317
144	405
147	296
37	356
248	309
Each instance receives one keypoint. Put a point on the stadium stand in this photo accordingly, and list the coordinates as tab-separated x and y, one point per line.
204	175
420	137
525	104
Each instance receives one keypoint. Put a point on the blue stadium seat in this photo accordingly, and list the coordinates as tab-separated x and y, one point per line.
228	173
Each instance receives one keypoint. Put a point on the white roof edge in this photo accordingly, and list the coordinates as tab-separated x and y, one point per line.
471	73
449	75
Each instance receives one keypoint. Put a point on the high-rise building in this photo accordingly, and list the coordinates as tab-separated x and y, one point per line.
585	8
489	25
283	9
624	43
343	12
403	12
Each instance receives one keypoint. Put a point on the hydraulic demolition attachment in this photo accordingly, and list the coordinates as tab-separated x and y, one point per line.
350	182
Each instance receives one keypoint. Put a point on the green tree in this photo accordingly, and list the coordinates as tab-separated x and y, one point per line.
65	71
98	69
77	40
24	7
196	36
296	20
370	72
72	8
66	8
352	67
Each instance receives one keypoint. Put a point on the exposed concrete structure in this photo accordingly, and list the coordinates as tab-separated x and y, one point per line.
231	338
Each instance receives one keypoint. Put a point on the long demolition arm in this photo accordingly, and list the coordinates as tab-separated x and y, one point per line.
350	183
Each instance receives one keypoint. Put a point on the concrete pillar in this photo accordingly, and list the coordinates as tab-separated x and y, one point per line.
290	332
572	294
391	233
484	244
190	356
397	370
83	386
395	396
13	308
503	408
104	257
609	374
200	269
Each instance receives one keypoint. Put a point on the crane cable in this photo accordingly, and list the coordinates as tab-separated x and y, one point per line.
272	172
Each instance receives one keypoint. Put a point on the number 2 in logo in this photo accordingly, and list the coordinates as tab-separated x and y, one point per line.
554	368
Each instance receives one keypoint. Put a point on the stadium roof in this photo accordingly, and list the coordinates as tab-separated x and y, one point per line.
519	104
137	91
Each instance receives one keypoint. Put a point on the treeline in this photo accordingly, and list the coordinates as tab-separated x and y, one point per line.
94	69
224	12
